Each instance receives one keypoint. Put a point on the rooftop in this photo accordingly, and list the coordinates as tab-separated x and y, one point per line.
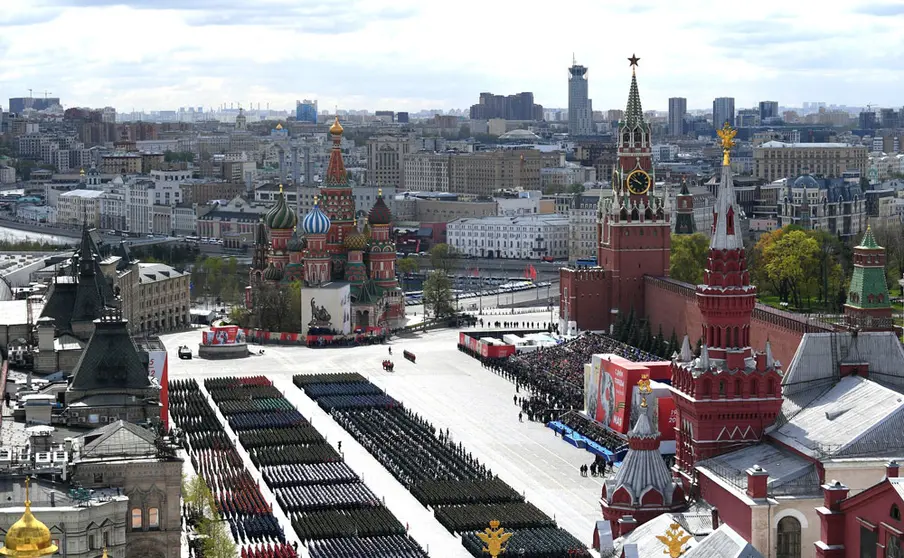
152	272
82	194
551	219
773	144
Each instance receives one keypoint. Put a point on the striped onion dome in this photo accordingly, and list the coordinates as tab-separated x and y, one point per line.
316	221
281	216
273	273
355	239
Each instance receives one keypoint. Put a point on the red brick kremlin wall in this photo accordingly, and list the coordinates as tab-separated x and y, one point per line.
673	304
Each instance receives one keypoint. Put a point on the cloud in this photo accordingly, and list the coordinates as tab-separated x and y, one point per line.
881	9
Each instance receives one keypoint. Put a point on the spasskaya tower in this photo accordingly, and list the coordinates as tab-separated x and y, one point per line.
632	228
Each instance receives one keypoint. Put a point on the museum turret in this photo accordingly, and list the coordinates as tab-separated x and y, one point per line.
643	487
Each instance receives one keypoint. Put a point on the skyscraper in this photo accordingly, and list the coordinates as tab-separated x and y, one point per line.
580	108
768	109
306	111
677	110
723	111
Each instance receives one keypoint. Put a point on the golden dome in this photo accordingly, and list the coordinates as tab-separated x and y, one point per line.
28	537
336	128
279	126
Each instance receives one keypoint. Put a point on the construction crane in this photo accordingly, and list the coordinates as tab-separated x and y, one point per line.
29	94
46	93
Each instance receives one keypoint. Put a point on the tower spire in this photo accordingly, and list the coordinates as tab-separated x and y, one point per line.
726	233
634	111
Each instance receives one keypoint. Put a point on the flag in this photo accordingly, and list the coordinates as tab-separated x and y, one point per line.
533	273
475	272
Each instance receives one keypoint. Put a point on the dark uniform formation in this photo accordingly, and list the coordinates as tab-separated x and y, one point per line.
464	495
235	492
333	512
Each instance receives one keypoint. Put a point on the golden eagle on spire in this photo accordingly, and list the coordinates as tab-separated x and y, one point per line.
674	540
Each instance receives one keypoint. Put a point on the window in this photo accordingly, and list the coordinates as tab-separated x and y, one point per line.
788	539
893	547
98	478
136	518
153	518
91	542
895	512
106	539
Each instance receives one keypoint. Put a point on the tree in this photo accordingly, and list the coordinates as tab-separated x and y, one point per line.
218	543
441	256
438	294
791	262
688	259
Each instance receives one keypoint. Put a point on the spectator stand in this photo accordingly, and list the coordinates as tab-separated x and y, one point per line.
463	494
214	457
331	510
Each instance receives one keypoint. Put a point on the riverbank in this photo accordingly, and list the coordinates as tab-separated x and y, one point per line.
16	231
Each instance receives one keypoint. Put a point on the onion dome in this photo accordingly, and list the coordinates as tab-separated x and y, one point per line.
356	239
281	216
296	243
272	273
336	128
316	221
379	213
28	536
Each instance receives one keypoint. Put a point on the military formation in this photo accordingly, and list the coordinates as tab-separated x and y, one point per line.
463	493
331	510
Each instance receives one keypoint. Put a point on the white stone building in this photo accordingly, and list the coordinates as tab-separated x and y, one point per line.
530	238
79	206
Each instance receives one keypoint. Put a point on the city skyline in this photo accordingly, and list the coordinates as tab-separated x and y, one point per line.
405	55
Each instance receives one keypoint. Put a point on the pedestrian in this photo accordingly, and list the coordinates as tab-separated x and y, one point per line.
515	399
339	445
520	417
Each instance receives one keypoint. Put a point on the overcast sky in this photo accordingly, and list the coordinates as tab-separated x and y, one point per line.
420	54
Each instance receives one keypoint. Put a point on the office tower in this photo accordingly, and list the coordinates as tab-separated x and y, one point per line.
677	110
723	111
519	106
580	109
768	109
306	111
868	120
888	117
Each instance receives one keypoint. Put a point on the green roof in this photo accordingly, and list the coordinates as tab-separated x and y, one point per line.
869	241
868	288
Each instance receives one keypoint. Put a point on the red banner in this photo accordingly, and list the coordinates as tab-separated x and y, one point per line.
225	335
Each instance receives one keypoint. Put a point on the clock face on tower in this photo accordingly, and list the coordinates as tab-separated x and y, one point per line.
639	182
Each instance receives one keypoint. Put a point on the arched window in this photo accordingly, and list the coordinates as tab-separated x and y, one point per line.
754	388
737	388
895	512
721	388
707	388
136	518
788	538
153	518
770	387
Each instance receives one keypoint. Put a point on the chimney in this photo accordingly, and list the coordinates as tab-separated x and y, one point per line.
626	524
715	515
891	469
757	482
834	492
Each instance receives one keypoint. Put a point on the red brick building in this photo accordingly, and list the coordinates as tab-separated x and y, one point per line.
633	231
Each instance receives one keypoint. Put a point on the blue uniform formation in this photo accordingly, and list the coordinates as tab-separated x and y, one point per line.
464	495
333	512
215	459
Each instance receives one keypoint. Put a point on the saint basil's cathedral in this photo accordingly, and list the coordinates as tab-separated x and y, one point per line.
333	249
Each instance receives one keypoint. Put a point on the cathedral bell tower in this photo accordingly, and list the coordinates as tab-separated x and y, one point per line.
634	223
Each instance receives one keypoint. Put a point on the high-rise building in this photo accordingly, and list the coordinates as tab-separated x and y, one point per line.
306	111
868	120
888	117
520	106
580	109
768	109
18	105
723	111
677	110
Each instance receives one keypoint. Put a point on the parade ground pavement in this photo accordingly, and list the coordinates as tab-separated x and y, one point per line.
449	389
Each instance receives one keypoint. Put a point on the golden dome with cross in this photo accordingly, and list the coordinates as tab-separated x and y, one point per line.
28	537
